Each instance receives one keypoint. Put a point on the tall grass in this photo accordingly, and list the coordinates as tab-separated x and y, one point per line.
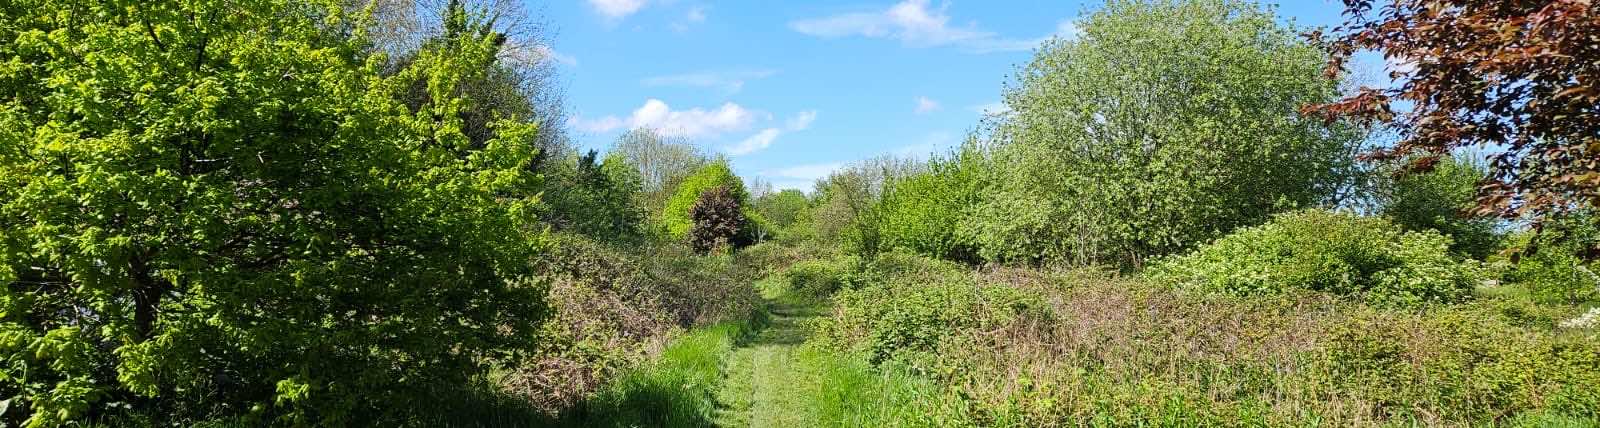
678	390
848	392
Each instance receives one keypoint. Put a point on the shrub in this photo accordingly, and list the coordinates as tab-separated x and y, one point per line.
612	309
1440	200
595	199
891	316
845	207
1118	352
675	217
717	222
1335	252
1161	126
923	212
1465	362
1552	266
819	278
783	209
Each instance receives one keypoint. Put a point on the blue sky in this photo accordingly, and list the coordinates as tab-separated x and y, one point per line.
790	90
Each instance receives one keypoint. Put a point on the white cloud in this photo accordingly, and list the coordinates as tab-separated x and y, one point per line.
695	15
913	23
616	9
802	121
604	124
656	114
992	109
926	105
933	143
728	81
756	142
805	172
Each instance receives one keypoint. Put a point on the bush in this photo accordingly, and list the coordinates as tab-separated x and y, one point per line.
923	212
1335	252
1467	362
784	210
1161	126
612	308
598	200
889	316
1440	200
675	217
1551	266
717	222
819	278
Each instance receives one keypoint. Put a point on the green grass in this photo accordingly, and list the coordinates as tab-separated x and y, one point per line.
676	391
778	380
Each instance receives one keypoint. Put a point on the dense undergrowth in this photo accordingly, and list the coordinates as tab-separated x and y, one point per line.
1043	348
325	220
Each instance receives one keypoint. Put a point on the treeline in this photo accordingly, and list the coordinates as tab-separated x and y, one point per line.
1137	140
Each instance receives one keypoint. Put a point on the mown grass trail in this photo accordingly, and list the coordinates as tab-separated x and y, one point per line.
764	386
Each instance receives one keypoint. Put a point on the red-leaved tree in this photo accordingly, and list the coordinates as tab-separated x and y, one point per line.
1518	78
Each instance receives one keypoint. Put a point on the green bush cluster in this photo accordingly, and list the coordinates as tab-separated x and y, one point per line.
923	212
1440	200
1335	252
717	174
896	312
1163	125
1075	348
820	278
1471	363
1551	266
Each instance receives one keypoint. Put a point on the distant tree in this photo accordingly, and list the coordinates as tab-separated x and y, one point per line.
846	202
1162	125
925	212
663	162
718	221
1442	200
717	174
783	208
1520	77
209	207
594	199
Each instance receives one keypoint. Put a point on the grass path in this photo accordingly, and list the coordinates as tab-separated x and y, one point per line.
764	384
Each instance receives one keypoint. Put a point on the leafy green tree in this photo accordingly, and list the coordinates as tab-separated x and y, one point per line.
1162	125
663	163
845	209
783	209
226	206
1442	199
598	200
924	212
675	217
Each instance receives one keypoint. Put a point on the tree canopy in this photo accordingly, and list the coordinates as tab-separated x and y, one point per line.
234	203
1519	78
1162	125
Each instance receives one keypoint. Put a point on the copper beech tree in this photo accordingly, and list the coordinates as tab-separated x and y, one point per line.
1520	79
